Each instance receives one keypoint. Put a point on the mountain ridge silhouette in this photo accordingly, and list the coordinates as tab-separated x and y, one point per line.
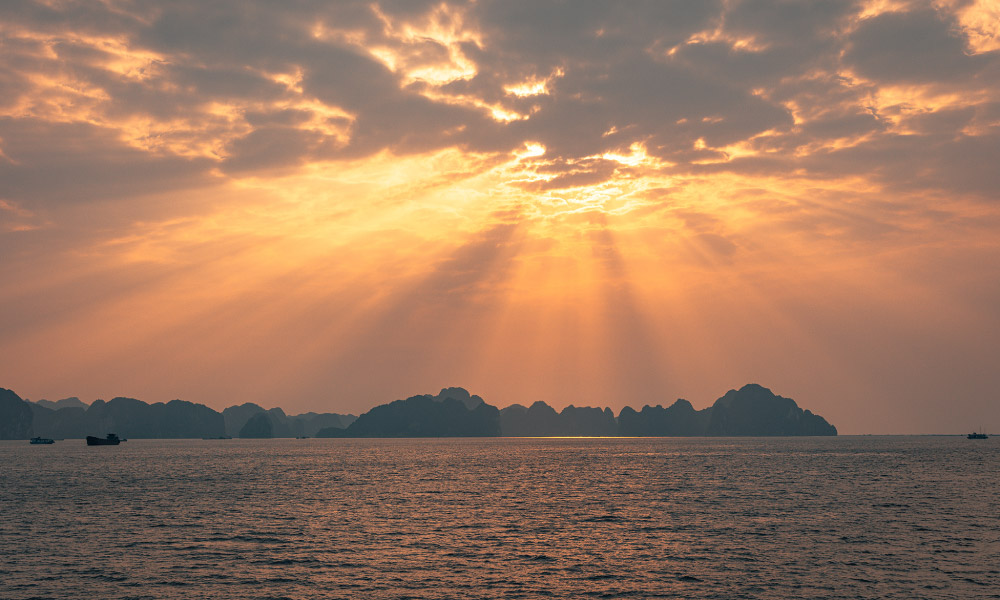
753	410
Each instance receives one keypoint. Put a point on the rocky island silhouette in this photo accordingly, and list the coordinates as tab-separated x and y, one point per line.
752	410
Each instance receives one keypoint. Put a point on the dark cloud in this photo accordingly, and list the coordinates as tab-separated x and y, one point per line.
538	36
271	147
269	85
912	47
59	164
852	122
717	244
761	42
941	122
348	79
946	162
719	62
915	162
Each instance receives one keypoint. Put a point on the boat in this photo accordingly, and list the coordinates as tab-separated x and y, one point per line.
41	440
219	437
110	440
978	436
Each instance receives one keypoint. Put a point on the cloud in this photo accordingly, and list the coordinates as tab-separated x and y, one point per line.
269	87
922	46
495	162
62	164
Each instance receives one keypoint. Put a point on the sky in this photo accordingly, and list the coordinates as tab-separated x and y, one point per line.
331	205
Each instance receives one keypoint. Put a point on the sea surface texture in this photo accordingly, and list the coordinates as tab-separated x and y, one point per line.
846	517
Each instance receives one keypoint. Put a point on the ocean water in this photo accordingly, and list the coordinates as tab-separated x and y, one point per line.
846	517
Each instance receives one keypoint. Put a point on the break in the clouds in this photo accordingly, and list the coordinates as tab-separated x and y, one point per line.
668	196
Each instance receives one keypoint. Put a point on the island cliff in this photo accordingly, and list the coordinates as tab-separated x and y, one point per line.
452	413
15	417
752	410
130	418
423	416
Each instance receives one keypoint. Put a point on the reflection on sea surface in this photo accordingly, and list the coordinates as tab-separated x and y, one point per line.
839	517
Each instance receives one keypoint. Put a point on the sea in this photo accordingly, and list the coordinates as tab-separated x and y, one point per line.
838	517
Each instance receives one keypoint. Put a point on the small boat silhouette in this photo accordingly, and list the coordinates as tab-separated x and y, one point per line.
110	440
978	436
41	440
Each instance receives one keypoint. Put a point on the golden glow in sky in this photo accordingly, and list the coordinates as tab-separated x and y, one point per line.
329	207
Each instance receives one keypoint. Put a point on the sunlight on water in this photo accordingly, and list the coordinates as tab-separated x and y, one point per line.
515	518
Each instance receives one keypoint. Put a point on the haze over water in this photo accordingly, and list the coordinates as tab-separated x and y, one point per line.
846	517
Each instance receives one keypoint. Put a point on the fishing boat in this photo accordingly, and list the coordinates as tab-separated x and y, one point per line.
978	436
110	440
41	440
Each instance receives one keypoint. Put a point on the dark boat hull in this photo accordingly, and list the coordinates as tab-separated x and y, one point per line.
96	441
39	440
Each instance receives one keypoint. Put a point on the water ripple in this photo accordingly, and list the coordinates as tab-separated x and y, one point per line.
644	518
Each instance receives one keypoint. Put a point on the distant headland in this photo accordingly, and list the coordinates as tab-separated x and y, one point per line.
752	410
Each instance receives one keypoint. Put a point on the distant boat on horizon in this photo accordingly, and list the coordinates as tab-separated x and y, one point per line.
978	436
111	440
41	440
